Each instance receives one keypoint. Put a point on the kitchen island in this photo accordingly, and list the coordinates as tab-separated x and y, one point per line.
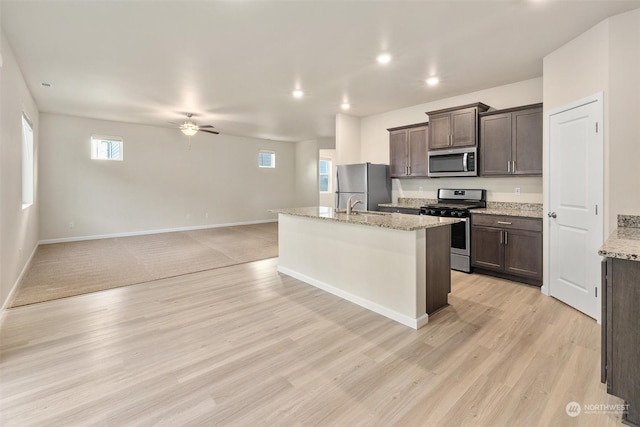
393	264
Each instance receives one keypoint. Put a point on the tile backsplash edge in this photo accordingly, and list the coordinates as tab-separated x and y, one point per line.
536	207
629	221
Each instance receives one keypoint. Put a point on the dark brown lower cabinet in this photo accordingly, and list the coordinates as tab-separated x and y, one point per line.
621	333
509	247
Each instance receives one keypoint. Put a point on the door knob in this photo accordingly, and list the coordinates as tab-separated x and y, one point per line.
552	215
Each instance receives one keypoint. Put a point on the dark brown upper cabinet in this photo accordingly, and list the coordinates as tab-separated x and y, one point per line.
511	141
454	127
408	151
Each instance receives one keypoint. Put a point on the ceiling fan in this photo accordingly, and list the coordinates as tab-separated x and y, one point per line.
189	127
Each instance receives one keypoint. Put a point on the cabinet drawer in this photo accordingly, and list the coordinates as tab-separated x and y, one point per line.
507	222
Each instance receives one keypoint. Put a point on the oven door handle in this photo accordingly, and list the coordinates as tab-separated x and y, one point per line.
465	162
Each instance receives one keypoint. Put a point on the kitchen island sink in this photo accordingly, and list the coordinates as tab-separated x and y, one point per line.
393	264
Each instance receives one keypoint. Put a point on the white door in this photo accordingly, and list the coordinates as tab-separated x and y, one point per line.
575	216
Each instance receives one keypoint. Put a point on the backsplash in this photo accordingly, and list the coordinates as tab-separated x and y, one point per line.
536	207
418	202
629	221
414	202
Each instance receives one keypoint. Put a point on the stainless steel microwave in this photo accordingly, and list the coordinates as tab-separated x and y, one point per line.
455	162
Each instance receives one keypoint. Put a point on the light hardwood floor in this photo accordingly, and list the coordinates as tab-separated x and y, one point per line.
244	345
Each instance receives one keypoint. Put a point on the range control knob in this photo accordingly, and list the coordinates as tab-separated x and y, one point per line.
444	213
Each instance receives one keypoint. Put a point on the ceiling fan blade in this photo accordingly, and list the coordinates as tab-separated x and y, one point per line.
210	131
205	126
175	124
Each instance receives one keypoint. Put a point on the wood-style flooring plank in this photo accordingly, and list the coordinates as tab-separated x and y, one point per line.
245	345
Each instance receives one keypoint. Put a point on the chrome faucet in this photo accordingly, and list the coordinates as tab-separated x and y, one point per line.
351	205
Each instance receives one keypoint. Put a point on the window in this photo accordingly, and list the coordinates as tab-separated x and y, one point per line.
106	147
266	159
27	163
325	175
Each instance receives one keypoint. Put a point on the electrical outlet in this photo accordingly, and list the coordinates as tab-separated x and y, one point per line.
206	215
517	191
71	224
420	189
188	216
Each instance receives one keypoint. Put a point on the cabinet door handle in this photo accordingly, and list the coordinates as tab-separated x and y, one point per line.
504	223
506	238
513	166
502	237
450	139
409	168
508	167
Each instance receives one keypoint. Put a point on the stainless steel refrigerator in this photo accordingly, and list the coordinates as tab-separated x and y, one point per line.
367	182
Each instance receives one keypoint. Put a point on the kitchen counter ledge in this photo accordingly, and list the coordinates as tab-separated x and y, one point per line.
393	221
624	242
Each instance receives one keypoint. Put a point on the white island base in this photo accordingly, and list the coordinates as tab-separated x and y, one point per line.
401	274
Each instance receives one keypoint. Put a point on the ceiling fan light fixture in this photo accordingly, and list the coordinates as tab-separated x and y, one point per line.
189	128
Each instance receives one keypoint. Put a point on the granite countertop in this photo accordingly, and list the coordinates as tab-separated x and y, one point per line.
528	210
393	221
624	242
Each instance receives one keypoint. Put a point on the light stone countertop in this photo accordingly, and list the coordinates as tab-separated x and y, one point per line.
527	210
393	221
624	242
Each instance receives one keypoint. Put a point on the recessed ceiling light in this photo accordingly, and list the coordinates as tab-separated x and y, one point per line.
383	58
298	93
46	84
432	81
345	106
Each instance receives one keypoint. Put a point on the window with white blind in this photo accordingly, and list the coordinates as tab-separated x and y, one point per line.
324	178
28	163
106	148
266	159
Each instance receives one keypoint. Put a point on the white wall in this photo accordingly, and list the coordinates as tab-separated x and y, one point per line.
307	173
160	184
624	116
18	227
605	59
347	139
574	71
374	144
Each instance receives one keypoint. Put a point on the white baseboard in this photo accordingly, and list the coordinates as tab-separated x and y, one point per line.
13	290
362	302
142	233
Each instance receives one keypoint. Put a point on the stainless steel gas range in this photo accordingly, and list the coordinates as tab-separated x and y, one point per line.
457	204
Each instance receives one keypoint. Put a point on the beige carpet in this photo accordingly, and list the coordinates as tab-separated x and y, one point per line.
65	269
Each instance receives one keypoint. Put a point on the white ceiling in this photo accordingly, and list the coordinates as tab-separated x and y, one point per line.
235	63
